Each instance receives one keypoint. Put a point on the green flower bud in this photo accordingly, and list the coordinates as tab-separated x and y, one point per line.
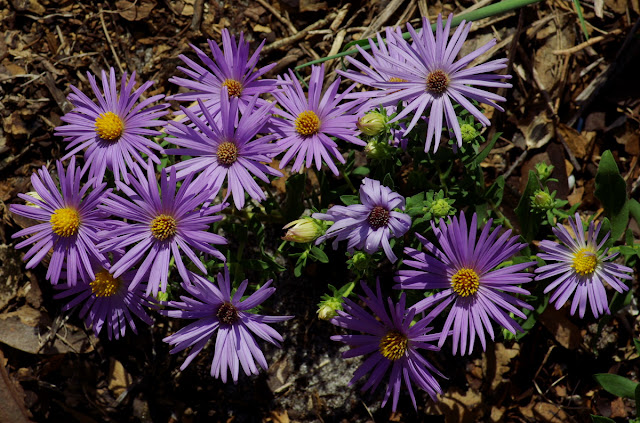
372	123
377	150
303	230
544	171
327	308
360	260
468	132
542	200
440	208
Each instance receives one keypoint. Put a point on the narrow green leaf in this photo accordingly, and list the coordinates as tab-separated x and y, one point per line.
617	385
361	171
634	209
601	419
529	222
485	151
611	190
637	396
319	255
636	342
388	181
583	24
350	199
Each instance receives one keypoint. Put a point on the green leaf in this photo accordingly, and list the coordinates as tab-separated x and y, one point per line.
634	209
637	396
583	24
636	342
617	385
350	199
319	255
496	191
611	190
601	419
485	151
529	221
388	181
361	171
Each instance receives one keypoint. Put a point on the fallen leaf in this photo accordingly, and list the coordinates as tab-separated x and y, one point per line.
500	366
458	406
618	409
550	413
11	397
135	11
312	6
119	378
566	333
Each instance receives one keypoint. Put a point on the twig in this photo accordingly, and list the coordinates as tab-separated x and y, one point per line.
382	18
300	35
588	43
292	29
198	8
515	164
106	33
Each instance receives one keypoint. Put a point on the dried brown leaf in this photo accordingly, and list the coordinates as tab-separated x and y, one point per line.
11	397
564	331
135	11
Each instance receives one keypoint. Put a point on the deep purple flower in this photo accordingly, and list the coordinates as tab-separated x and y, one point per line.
70	222
307	123
108	301
581	268
226	316
231	67
221	150
433	78
392	343
161	224
368	226
464	269
114	131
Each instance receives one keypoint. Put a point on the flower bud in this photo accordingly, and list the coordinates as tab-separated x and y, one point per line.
377	150
327	309
542	200
372	123
544	171
360	260
34	195
468	132
303	230
440	208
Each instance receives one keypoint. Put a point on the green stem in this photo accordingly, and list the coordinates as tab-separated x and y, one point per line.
484	12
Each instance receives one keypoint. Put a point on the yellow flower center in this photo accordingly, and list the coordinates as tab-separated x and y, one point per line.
234	88
396	79
65	222
393	345
437	82
465	282
227	153
109	126
585	261
307	123
105	285
163	227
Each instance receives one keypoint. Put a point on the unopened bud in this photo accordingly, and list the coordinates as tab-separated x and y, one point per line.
377	150
468	132
327	310
360	260
372	123
542	200
544	171
440	208
302	230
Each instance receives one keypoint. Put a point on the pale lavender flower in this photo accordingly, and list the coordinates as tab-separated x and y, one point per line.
434	79
465	270
108	301
307	123
228	318
160	224
581	269
115	131
70	221
392	343
222	150
370	225
231	67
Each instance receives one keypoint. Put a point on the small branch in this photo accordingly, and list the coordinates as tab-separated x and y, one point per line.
106	33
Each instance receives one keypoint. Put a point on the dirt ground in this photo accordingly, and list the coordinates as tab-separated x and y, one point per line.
572	98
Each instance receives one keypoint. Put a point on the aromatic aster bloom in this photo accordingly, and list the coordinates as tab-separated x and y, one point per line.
465	270
228	318
221	150
392	342
231	67
368	226
70	221
160	224
308	122
434	78
108	301
581	268
114	131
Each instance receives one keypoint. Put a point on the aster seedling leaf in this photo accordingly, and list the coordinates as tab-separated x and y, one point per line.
611	190
485	151
601	419
529	222
617	385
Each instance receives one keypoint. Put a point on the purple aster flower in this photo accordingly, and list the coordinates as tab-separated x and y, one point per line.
434	78
108	300
70	221
581	268
465	270
160	224
228	317
392	343
114	131
368	226
222	150
231	67
308	122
